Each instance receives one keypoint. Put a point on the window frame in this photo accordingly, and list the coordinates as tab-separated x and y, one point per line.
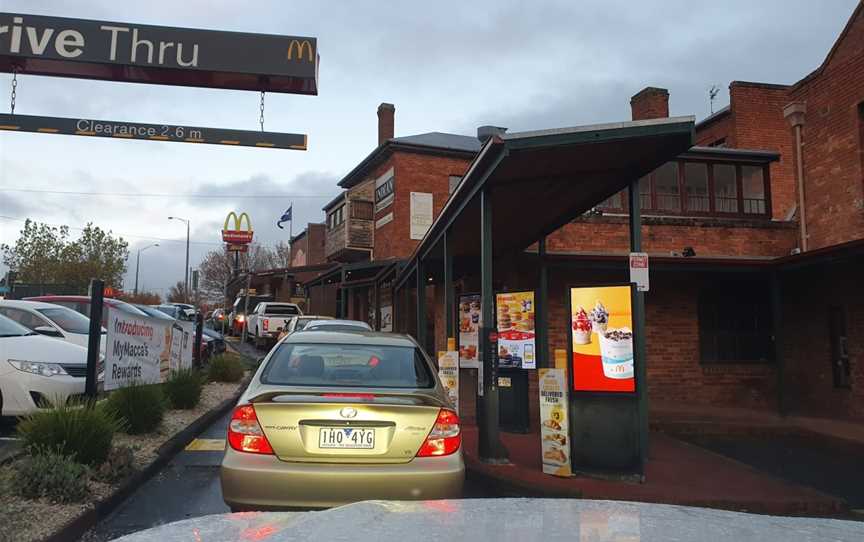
684	211
713	298
336	217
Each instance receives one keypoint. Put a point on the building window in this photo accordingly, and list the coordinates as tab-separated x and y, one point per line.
362	210
725	189
718	143
666	187
696	187
753	190
454	182
735	323
336	217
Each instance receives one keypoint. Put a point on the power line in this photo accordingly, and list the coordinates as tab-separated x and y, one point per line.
165	195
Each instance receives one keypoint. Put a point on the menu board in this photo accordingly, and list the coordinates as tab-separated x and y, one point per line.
554	427
601	324
448	372
469	319
514	316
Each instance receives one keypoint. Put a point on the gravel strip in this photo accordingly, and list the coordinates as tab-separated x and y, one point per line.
23	520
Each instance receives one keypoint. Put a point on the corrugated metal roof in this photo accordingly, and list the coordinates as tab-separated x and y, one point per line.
442	140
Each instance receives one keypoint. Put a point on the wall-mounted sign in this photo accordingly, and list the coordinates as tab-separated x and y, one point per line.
515	322
151	132
384	220
238	236
601	326
385	186
136	53
421	214
554	427
469	319
639	270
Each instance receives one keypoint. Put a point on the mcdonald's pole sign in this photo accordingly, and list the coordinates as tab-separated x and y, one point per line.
86	49
237	239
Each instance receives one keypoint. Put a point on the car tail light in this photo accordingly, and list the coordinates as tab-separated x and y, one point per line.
445	437
266	325
245	433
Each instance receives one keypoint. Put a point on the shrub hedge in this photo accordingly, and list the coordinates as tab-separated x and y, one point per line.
140	407
83	432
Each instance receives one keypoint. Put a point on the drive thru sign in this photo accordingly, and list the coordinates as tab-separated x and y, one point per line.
639	270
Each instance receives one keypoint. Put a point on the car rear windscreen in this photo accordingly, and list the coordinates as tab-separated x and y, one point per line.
347	365
281	310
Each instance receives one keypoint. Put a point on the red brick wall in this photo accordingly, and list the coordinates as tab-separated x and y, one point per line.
650	103
721	128
708	237
315	235
833	168
809	383
414	173
758	123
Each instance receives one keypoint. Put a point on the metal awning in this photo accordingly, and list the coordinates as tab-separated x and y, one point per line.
541	180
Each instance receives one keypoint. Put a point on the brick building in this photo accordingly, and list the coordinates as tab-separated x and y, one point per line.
756	239
307	247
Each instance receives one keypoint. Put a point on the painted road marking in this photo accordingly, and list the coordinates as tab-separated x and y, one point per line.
206	445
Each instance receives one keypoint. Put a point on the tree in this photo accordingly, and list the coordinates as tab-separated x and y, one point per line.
44	254
217	268
177	293
141	298
281	254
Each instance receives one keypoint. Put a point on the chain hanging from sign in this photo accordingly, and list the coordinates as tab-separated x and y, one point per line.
14	86
261	108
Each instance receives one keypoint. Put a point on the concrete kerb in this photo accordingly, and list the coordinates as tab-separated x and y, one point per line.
75	528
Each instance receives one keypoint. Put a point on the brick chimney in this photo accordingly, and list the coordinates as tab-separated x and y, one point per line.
484	133
650	103
386	121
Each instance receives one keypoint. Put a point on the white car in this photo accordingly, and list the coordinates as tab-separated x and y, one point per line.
51	320
37	370
337	325
269	319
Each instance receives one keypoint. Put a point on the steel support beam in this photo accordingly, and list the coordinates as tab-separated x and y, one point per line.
421	305
449	294
490	447
777	335
639	328
542	308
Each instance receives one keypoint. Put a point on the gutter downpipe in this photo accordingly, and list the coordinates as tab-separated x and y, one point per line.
794	114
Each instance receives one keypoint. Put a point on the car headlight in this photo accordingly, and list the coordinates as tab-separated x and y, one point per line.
38	367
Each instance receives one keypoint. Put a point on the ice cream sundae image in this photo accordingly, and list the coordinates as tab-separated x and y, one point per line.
581	327
616	352
599	318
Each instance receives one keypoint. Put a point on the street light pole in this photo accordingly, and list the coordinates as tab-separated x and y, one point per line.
186	268
138	263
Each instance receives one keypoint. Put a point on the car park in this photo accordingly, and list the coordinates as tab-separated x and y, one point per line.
268	320
336	417
51	320
337	325
36	371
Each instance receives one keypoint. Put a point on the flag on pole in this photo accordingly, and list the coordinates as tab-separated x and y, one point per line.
286	217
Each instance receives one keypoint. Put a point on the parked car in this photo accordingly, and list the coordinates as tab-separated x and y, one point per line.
36	371
337	325
300	322
52	321
155	312
175	311
81	304
335	417
269	319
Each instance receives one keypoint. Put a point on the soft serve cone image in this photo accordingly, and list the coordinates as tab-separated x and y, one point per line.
581	327
599	318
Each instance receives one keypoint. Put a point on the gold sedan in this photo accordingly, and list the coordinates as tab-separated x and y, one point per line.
336	417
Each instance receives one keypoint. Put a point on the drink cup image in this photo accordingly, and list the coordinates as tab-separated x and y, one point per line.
616	352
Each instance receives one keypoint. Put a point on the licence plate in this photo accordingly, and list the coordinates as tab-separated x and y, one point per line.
346	438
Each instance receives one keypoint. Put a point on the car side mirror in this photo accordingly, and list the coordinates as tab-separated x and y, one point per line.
48	331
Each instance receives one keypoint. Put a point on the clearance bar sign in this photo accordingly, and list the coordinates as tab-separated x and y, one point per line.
151	132
112	51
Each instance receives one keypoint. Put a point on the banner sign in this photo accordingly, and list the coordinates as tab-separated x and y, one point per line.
151	132
138	53
516	335
448	372
144	350
554	426
602	338
384	189
469	319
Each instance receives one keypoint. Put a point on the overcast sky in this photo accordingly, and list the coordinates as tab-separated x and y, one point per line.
447	66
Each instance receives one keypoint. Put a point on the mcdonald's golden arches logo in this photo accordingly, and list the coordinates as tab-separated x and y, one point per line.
237	235
301	46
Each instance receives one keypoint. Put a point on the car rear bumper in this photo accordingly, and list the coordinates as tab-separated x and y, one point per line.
252	481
